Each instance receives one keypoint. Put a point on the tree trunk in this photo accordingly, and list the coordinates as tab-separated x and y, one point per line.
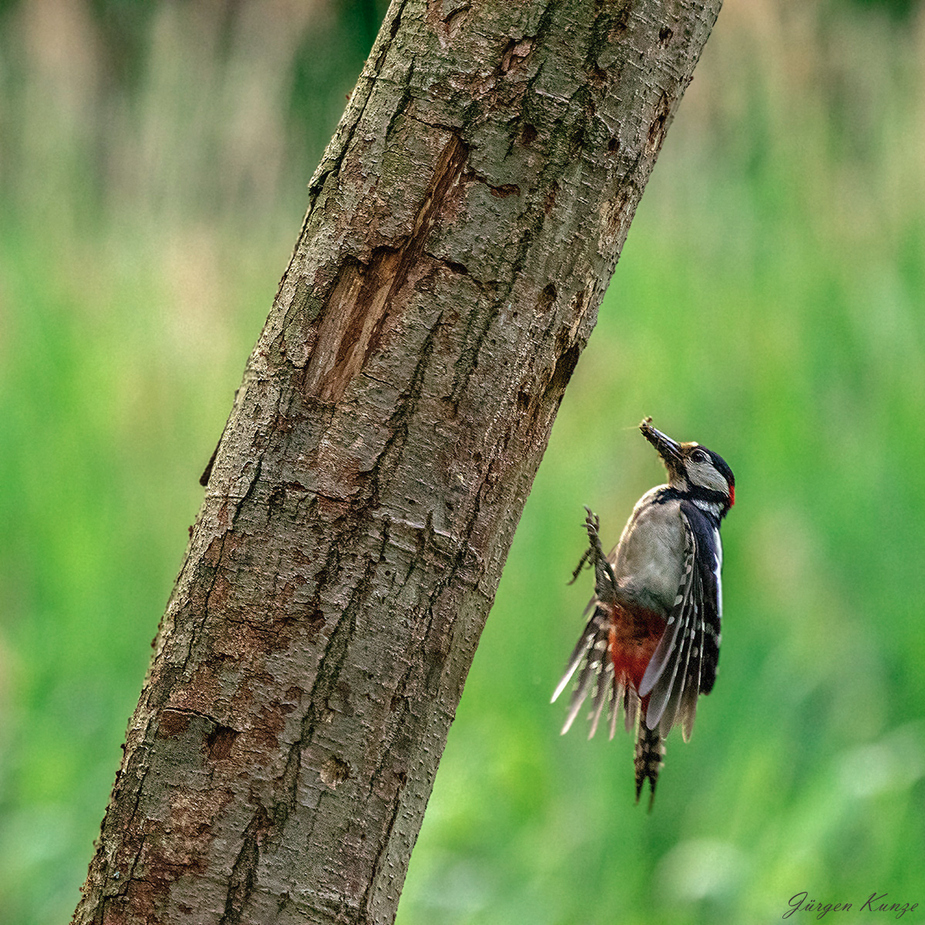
461	230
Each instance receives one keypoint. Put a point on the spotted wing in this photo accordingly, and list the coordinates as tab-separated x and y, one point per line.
684	662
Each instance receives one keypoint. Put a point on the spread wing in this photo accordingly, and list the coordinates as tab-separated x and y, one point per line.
683	665
596	676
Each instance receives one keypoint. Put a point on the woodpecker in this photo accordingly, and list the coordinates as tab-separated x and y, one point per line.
652	642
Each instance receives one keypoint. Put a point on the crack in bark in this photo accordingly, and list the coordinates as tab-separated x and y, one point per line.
251	489
476	331
332	661
389	458
244	871
378	862
289	785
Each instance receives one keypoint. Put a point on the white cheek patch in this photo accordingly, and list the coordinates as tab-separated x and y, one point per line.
705	475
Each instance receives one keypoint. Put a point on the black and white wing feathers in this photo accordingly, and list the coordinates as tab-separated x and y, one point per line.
596	675
683	665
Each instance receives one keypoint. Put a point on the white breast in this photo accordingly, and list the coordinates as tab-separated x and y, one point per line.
650	554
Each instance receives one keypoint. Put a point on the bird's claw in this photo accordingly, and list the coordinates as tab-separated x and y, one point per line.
605	584
593	525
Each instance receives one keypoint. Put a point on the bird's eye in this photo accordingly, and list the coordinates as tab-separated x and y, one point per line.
699	456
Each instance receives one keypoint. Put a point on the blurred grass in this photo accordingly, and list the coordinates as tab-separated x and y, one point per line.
768	303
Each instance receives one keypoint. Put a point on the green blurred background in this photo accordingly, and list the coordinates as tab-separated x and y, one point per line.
769	303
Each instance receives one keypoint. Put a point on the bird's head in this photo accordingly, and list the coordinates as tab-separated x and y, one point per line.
693	469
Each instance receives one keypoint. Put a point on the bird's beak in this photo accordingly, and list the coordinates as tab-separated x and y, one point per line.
668	449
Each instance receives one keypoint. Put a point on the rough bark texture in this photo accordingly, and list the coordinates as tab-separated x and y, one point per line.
461	230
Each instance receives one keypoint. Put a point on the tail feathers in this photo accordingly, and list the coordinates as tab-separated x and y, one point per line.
596	679
647	759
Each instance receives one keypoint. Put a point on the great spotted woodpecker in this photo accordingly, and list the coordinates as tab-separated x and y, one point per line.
652	643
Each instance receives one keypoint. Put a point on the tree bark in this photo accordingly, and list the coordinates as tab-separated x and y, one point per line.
461	230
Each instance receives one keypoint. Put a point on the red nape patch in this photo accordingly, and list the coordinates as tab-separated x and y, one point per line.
732	495
633	638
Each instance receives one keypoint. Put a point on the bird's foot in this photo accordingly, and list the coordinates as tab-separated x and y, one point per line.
605	583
